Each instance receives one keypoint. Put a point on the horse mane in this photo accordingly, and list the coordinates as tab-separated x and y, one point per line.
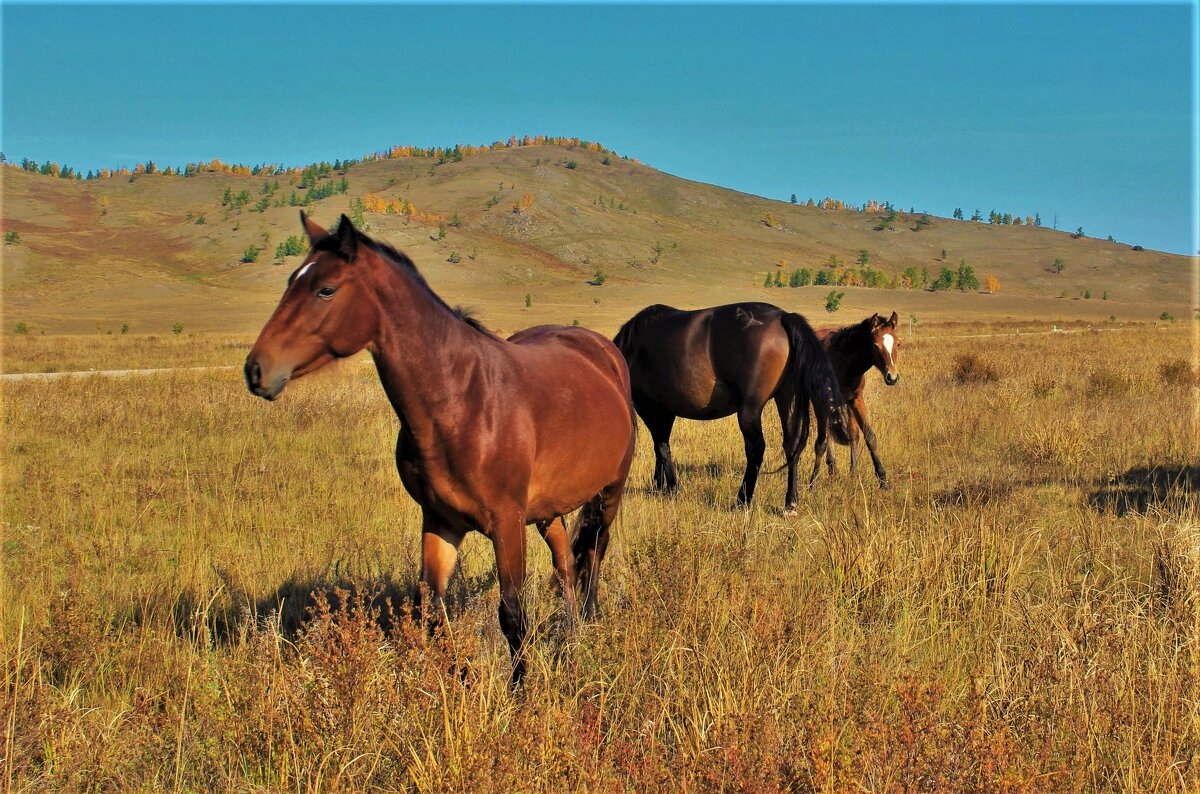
846	338
402	261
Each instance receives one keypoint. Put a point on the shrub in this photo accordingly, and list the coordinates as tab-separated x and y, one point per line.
1179	372
528	300
971	368
22	328
177	329
12	238
598	278
572	164
124	328
454	258
292	246
769	220
1166	317
833	301
1107	382
251	255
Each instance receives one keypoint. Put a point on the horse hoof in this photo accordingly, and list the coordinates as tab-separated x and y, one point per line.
790	512
884	485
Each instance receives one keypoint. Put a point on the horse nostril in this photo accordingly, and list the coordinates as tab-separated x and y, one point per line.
253	374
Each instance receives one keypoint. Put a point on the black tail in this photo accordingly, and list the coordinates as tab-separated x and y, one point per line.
812	380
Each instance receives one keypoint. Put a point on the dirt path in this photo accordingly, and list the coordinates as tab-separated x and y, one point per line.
116	373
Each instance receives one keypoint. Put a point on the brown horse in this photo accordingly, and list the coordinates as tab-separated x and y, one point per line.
494	434
853	351
711	363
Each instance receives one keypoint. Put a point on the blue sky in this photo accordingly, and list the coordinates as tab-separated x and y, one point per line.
1081	112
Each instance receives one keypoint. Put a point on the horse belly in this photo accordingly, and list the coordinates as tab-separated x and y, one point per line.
580	453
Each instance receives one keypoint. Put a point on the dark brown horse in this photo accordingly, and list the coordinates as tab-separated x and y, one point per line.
494	434
853	351
711	363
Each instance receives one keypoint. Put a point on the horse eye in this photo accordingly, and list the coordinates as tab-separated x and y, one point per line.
326	292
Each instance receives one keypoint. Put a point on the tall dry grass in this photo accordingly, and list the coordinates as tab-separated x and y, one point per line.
203	591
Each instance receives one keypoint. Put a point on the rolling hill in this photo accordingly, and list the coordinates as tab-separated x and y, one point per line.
95	254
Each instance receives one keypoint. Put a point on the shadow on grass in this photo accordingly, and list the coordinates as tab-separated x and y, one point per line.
290	607
1144	488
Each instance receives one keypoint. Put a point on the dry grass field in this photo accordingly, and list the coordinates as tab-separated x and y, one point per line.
205	592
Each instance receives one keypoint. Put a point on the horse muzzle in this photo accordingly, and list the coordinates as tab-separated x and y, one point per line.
269	386
891	379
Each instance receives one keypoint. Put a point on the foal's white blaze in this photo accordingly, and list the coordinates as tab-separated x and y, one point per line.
889	343
302	270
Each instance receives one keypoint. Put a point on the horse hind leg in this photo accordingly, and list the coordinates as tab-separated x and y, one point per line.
555	534
591	543
750	423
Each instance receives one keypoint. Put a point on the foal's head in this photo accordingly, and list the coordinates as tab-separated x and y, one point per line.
884	348
323	315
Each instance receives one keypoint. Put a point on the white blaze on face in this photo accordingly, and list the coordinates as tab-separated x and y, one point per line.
302	270
889	342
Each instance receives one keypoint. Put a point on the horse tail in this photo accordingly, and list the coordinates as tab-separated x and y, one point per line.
813	380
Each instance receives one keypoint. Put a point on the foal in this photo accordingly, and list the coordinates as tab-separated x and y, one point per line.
853	351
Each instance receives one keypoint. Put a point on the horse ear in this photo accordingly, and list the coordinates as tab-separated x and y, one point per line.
311	228
347	237
893	320
876	320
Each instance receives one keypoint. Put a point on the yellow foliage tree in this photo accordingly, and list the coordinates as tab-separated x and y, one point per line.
991	284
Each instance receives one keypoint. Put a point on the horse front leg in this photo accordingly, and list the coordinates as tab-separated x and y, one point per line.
660	423
508	541
439	553
860	414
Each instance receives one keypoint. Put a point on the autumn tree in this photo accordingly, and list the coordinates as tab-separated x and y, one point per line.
991	284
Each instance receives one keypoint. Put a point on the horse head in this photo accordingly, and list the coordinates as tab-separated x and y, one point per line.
326	311
885	347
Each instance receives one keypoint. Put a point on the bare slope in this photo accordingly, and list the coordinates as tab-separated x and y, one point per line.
96	254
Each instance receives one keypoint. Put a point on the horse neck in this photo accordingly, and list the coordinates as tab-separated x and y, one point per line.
856	358
422	350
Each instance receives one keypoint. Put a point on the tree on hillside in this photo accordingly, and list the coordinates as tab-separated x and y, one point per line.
1059	265
965	279
794	199
977	216
833	301
944	281
991	284
958	215
864	256
1078	233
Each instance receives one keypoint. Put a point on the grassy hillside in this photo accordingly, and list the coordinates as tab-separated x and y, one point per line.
94	255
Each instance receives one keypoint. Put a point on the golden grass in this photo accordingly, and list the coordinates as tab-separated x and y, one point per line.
1019	613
